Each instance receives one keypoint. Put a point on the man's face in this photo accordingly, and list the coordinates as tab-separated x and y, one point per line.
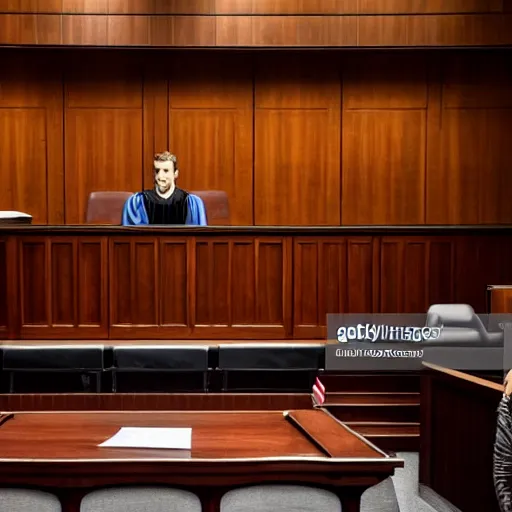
164	176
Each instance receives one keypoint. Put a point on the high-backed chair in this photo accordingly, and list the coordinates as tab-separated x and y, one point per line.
271	367
28	500
161	368
138	499
82	361
106	207
460	326
216	204
298	498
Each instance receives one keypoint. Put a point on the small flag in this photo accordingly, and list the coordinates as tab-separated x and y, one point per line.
319	391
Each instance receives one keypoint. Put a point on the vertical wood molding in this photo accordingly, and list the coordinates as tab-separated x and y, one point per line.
433	210
13	288
155	122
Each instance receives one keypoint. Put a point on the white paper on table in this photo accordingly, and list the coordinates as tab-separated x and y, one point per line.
151	437
7	214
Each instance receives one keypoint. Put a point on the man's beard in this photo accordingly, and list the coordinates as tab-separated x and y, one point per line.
163	188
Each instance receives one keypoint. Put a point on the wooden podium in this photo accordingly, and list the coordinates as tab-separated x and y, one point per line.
499	298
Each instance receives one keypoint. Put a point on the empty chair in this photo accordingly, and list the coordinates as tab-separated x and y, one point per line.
275	498
140	499
160	368
216	204
76	367
28	500
106	207
460	326
270	366
296	498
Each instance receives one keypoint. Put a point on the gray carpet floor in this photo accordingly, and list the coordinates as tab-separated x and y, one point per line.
401	492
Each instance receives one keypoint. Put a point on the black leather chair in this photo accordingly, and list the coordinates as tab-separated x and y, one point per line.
160	368
270	367
35	361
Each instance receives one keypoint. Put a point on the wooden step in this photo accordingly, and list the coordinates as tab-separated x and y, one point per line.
374	407
394	436
385	429
371	382
371	399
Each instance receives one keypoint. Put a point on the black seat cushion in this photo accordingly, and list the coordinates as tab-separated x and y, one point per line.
51	358
269	356
161	358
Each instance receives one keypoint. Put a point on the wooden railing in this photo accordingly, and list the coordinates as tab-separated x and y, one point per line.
458	425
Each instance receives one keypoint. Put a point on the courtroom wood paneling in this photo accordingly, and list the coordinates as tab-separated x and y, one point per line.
234	285
4	297
213	289
63	287
480	261
256	30
31	151
474	136
242	288
150	294
428	6
416	273
276	7
297	142
384	140
104	132
303	138
331	276
155	402
211	128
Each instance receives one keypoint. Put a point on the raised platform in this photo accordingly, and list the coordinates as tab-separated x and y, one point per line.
96	282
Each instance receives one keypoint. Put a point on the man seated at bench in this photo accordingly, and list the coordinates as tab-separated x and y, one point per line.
165	203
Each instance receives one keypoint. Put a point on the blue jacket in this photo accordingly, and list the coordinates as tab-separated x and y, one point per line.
134	211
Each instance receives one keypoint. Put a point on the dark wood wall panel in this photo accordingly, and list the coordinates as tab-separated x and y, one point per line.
237	284
211	128
209	288
297	142
415	273
4	296
249	7
380	138
103	132
31	151
63	287
384	140
155	402
331	276
190	24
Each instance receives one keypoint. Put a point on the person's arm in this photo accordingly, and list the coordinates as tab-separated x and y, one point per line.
503	456
196	212
134	212
508	383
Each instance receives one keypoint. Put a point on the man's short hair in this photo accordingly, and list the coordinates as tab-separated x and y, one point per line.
167	157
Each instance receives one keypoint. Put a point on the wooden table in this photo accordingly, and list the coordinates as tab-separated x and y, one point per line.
59	452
